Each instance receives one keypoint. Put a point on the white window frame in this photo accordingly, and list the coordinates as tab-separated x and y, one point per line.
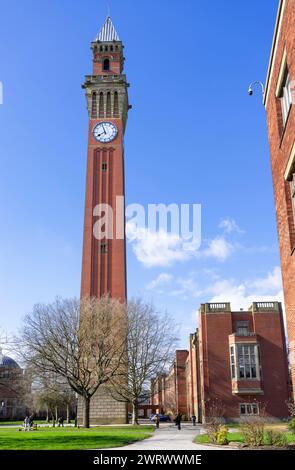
292	187
286	97
235	364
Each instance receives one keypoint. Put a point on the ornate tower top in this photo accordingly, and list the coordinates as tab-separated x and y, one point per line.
108	32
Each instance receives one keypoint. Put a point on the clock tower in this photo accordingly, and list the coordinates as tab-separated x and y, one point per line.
104	256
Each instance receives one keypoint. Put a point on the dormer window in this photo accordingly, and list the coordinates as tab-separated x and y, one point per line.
106	65
242	328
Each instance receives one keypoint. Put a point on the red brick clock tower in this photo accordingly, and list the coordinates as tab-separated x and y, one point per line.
104	257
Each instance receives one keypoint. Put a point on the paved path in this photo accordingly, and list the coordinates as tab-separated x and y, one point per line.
168	437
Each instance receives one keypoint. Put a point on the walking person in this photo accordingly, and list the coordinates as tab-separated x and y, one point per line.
157	419
61	421
178	421
27	423
194	419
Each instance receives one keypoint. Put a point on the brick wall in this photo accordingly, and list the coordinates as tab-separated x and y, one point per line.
281	141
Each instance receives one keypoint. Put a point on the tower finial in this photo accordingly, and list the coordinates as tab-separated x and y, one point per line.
109	10
107	32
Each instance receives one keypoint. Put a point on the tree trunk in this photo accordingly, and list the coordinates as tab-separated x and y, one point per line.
53	419
135	412
47	415
68	414
56	414
86	412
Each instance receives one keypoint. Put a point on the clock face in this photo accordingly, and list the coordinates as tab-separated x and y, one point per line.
105	132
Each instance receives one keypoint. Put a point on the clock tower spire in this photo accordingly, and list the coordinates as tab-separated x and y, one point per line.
104	259
104	256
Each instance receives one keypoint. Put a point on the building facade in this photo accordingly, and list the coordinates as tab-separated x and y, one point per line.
15	388
236	366
279	100
104	252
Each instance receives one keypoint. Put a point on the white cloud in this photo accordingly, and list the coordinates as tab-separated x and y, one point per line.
157	248
163	278
271	283
218	248
163	249
229	225
241	295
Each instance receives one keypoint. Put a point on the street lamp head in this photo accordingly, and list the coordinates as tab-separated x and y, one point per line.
251	86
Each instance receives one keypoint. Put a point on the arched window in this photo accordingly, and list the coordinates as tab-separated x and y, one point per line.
94	105
101	105
109	111
106	64
116	104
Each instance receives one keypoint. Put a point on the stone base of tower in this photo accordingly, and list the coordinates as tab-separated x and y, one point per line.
104	409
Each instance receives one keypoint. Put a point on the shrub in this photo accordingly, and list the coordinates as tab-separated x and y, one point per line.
221	437
215	413
276	438
291	425
253	432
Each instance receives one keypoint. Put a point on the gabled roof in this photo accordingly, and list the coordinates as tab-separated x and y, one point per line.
107	32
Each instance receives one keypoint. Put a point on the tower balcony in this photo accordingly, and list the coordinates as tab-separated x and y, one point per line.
99	79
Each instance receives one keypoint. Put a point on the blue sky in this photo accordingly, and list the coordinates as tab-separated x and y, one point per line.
193	136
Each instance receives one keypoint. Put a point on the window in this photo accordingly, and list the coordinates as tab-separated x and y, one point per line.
292	184
248	361
104	166
249	409
101	105
286	96
116	104
232	362
242	328
109	106
94	105
106	64
104	248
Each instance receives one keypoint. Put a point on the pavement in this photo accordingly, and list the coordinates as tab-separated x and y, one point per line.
168	437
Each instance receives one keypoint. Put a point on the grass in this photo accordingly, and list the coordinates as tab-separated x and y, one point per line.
19	423
238	437
72	438
278	426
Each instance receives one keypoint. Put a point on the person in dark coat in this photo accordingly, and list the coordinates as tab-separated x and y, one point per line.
157	419
61	421
178	421
194	419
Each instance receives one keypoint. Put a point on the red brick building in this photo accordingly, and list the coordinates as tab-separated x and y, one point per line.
237	360
279	99
169	392
104	252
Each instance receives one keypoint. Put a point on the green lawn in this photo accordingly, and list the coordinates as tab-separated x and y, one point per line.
19	423
72	438
237	437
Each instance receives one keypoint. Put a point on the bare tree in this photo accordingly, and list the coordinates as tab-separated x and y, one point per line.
82	341
152	340
52	394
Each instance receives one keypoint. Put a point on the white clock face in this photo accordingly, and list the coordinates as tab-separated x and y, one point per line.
105	132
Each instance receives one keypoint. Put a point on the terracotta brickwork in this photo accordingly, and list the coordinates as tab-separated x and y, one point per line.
220	330
169	391
236	360
104	258
281	141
